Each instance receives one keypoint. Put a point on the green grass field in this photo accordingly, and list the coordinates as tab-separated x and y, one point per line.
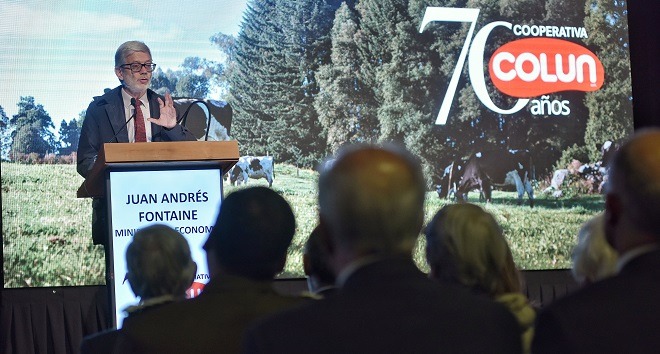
47	231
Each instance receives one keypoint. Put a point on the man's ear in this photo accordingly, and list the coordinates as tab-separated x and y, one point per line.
119	73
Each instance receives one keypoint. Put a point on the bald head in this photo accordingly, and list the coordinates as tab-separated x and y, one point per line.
633	197
372	199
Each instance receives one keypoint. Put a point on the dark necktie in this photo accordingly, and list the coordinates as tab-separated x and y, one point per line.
140	132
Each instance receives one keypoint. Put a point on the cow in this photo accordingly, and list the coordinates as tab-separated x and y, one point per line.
252	167
484	171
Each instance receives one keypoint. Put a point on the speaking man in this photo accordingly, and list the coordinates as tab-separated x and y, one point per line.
129	113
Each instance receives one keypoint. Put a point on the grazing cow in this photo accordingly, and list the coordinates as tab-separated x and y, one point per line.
252	167
484	171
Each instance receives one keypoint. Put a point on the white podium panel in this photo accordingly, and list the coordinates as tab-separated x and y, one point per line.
188	200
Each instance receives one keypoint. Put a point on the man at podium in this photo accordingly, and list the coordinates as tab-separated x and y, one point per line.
131	113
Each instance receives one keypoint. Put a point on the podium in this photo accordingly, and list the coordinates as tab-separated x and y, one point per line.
178	184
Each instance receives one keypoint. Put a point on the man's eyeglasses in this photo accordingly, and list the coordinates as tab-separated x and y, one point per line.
137	67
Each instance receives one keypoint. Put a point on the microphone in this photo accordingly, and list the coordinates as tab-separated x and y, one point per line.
133	103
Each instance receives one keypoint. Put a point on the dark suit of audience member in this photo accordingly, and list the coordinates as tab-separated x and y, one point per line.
160	270
111	119
245	250
465	246
619	314
371	212
320	277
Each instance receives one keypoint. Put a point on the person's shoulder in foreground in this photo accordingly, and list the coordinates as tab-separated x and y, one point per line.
380	314
619	314
371	210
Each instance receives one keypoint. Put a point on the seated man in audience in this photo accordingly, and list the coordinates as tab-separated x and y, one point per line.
320	279
619	314
245	250
371	206
593	258
160	270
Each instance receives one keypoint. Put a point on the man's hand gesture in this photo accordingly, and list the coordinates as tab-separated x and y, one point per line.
167	113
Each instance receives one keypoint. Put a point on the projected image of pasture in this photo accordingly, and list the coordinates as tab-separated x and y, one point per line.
47	239
537	91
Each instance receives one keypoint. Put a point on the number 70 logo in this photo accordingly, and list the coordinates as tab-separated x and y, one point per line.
522	68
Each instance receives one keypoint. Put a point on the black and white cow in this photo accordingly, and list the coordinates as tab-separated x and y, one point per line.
487	170
252	167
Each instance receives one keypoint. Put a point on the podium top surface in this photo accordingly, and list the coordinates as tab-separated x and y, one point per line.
171	151
225	153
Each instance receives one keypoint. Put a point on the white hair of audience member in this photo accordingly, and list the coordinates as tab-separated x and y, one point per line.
593	257
159	263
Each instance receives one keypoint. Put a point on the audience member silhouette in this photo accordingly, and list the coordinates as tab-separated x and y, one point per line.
160	270
466	246
245	250
371	210
320	278
618	314
593	258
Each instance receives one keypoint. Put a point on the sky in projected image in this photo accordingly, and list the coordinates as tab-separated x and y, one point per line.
62	52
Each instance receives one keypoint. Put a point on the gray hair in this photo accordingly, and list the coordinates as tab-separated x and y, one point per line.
593	258
159	263
128	48
372	198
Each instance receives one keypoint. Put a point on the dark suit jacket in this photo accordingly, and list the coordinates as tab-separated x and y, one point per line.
390	307
105	341
616	315
100	343
105	117
213	322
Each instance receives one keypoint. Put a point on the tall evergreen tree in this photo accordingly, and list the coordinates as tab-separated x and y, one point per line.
33	126
251	83
610	108
273	83
305	44
70	134
345	107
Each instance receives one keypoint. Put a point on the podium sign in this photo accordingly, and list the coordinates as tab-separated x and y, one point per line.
177	183
187	200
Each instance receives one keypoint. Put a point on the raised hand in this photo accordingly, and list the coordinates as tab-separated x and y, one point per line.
167	113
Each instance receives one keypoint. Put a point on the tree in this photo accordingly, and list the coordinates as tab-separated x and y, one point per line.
70	134
195	79
164	81
610	108
249	81
32	132
346	108
273	82
5	134
227	45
